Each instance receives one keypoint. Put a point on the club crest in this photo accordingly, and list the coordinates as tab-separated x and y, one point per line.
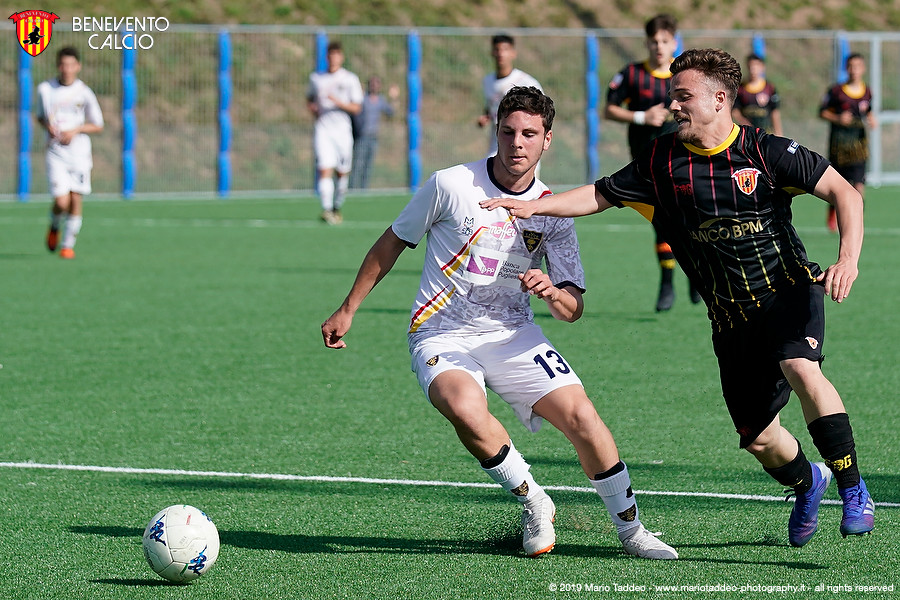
33	29
532	239
746	179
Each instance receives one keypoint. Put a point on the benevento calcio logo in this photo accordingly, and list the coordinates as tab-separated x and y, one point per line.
746	179
33	29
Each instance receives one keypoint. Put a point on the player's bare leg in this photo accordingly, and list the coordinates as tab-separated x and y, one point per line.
571	411
461	400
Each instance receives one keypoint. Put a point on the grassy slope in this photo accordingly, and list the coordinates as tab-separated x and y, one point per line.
694	14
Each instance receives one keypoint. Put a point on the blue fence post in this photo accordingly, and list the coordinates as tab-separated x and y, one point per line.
224	159
414	94
592	84
759	46
841	52
23	183
129	121
321	52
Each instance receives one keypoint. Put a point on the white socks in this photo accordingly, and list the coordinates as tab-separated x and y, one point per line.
343	182
325	187
514	476
73	226
617	495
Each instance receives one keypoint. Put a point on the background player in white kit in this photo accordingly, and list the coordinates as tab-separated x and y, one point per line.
332	97
496	84
69	111
472	325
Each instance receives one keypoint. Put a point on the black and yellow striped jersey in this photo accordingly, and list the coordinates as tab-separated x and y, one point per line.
726	212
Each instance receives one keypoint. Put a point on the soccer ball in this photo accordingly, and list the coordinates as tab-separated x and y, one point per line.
181	543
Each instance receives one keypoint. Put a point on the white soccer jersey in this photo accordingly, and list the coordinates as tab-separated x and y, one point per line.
473	255
343	85
494	90
66	107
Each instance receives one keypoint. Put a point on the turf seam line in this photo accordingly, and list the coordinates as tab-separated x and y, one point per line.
379	481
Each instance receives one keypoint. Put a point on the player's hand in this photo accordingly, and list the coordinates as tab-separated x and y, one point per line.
656	115
537	283
483	120
846	118
516	208
838	279
335	327
66	137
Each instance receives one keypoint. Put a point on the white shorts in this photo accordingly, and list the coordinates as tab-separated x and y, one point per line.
64	177
520	365
334	150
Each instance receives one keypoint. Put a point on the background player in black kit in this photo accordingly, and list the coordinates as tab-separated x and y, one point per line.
757	99
639	95
721	195
848	107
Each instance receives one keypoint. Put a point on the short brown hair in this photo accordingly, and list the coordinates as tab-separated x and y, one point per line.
715	64
67	51
530	100
663	22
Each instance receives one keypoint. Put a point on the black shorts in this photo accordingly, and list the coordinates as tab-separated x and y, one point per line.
854	173
791	324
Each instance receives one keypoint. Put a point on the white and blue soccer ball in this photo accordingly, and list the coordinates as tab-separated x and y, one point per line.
181	543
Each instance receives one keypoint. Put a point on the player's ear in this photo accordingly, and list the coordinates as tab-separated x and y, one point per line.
548	137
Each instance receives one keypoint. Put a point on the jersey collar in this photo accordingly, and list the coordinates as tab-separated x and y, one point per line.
489	163
710	151
856	96
658	73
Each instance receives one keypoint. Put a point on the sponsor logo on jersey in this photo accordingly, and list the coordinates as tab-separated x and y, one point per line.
532	239
33	29
716	230
502	230
813	342
432	361
746	179
482	265
684	191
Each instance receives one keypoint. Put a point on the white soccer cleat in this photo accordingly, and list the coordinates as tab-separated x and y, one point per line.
644	544
538	535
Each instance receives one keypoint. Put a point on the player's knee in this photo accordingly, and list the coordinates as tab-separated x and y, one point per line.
801	372
765	441
579	419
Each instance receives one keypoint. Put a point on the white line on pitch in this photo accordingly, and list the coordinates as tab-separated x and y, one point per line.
150	222
372	480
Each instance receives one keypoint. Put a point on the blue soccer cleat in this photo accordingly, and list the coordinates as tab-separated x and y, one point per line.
805	516
859	510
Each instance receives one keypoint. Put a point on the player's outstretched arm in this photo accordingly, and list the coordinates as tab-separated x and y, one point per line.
848	205
377	263
577	202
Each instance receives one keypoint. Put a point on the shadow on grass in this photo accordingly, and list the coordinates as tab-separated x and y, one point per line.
138	582
502	542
